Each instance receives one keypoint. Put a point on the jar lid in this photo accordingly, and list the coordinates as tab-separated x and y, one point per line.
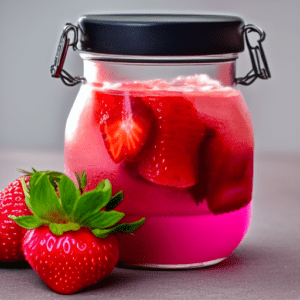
160	34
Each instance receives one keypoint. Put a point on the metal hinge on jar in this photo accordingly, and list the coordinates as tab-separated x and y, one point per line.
57	70
260	68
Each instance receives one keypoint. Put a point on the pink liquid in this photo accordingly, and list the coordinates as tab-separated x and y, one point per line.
195	190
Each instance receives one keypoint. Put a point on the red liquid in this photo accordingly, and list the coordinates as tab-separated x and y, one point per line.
182	152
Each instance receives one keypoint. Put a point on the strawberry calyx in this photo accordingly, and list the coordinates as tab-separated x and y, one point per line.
54	176
68	208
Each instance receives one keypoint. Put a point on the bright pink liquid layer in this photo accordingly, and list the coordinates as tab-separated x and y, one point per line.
184	240
220	171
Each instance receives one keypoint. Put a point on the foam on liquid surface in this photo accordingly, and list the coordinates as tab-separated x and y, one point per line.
183	84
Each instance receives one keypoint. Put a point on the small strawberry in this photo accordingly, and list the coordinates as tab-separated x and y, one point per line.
12	201
71	243
125	123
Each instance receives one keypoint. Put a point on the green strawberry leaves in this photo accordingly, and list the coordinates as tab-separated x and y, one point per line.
81	180
53	176
44	202
93	201
59	229
55	201
103	219
123	228
115	201
26	192
29	222
68	194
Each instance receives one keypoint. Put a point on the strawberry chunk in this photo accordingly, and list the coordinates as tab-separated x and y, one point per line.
173	158
230	176
229	150
125	123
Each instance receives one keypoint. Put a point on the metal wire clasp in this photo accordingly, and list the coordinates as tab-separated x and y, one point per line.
61	53
260	68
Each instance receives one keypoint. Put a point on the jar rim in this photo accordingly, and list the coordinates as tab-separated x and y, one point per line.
216	58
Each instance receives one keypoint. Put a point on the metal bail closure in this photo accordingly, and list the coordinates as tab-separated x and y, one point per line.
260	68
62	49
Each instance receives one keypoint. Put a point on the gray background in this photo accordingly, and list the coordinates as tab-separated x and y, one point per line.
34	107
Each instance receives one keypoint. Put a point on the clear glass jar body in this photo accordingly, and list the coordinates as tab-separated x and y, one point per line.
176	136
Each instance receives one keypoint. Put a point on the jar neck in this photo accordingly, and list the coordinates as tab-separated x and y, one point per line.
160	59
113	68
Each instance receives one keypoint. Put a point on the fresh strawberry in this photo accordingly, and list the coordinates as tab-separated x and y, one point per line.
70	244
12	201
173	159
72	261
125	123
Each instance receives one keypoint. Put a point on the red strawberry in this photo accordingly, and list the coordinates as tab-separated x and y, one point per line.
72	261
173	158
70	245
12	201
230	175
125	123
229	149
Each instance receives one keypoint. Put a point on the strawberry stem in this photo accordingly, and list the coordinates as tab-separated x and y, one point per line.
82	181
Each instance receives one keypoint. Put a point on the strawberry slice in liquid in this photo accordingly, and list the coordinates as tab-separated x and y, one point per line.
125	123
200	139
229	185
229	150
172	159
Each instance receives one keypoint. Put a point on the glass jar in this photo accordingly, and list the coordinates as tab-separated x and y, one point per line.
159	115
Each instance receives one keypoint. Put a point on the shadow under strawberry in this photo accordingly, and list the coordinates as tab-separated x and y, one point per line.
116	280
14	265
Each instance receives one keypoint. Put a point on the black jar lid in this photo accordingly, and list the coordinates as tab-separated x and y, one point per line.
160	34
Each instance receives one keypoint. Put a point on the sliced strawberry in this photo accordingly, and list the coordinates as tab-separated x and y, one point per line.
125	123
199	190
230	176
173	158
229	150
105	104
